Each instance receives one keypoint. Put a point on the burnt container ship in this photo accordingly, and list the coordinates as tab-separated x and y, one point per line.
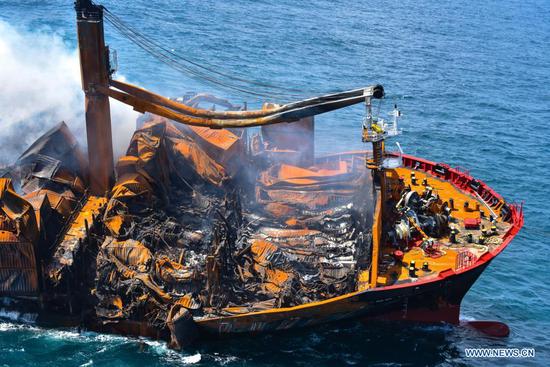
208	228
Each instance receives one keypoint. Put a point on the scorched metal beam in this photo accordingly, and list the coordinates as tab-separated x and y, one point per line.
94	66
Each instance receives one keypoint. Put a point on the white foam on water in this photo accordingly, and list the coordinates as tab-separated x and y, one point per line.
169	355
8	326
16	326
224	360
15	350
71	334
464	317
158	348
195	358
12	315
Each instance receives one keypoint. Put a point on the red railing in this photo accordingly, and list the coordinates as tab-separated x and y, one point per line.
466	182
465	259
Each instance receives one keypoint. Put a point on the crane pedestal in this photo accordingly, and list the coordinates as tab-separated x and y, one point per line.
94	67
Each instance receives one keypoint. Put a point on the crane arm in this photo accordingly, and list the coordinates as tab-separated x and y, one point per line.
144	101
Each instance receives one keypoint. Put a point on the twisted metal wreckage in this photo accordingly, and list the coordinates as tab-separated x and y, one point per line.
207	230
189	227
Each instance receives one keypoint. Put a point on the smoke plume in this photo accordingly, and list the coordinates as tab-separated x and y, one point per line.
40	81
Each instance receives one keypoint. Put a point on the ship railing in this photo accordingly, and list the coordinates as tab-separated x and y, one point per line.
463	180
462	170
465	259
372	136
516	214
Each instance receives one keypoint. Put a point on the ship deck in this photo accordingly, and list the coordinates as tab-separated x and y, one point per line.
455	255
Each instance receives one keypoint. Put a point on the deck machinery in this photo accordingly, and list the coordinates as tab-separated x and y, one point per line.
207	228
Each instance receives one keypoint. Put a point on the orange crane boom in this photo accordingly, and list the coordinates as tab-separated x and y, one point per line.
144	101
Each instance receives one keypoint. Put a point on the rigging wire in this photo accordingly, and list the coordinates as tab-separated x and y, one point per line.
184	69
171	59
171	62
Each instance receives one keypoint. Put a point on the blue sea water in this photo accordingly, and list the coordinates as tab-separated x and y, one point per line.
473	82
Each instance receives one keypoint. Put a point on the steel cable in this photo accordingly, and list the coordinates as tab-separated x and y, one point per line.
178	66
170	59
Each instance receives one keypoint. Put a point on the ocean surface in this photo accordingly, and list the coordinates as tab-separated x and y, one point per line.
471	78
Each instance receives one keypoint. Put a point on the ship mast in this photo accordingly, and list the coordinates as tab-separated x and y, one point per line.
376	133
94	68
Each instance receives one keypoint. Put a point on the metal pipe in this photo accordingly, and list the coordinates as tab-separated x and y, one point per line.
375	91
273	117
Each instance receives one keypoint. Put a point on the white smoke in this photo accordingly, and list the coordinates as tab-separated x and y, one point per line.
40	86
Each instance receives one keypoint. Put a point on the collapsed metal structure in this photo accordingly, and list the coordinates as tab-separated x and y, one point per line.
196	223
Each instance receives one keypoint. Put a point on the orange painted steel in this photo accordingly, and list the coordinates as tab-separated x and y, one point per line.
376	239
95	73
18	244
153	149
74	238
273	116
152	98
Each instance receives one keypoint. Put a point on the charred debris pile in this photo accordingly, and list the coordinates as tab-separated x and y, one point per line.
203	222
